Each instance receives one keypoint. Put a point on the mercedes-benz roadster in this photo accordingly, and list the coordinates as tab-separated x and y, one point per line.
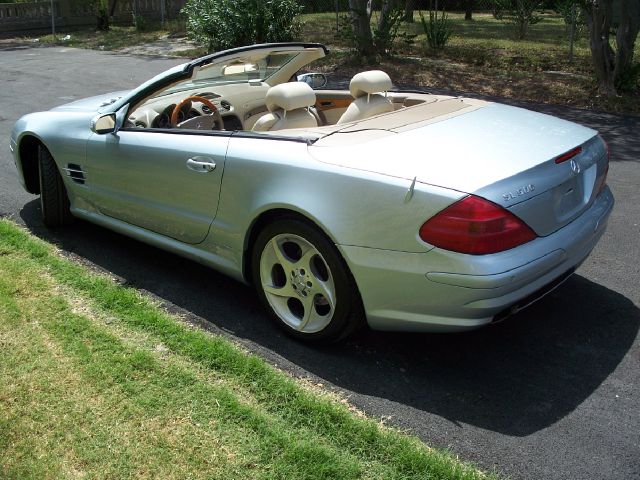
409	211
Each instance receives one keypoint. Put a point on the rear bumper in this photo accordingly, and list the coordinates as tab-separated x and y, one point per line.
447	291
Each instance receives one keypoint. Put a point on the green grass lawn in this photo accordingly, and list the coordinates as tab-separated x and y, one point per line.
482	41
98	382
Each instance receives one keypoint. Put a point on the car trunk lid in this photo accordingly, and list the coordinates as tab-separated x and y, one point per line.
504	154
551	195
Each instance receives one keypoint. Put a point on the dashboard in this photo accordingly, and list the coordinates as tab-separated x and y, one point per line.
237	104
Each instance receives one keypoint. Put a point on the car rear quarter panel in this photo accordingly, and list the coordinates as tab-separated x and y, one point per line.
352	207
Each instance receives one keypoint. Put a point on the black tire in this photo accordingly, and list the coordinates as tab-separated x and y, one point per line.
346	315
54	201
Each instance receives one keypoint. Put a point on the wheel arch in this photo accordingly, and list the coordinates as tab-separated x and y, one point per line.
263	220
28	158
355	314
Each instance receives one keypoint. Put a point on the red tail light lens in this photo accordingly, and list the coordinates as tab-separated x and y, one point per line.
603	181
568	155
475	226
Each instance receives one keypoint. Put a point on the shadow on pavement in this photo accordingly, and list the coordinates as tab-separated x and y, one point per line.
514	378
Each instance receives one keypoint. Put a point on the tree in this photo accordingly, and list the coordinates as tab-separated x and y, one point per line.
409	7
361	21
612	67
368	42
112	8
468	9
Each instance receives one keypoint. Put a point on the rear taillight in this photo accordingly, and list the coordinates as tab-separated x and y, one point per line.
603	180
568	155
476	226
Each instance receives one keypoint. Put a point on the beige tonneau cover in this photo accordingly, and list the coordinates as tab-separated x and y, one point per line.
431	109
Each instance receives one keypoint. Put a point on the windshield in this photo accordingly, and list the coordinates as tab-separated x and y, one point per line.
240	69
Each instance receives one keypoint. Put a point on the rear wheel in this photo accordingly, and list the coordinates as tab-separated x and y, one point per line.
54	201
302	280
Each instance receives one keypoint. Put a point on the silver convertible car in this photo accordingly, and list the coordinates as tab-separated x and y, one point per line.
405	210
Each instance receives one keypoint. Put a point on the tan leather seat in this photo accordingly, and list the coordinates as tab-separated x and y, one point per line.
288	105
365	87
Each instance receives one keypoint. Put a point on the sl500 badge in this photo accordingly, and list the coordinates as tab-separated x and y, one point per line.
518	192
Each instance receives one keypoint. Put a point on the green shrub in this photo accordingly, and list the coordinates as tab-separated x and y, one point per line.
522	13
222	24
387	32
629	78
572	13
140	23
437	29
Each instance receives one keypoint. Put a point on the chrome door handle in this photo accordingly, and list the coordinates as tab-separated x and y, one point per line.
201	164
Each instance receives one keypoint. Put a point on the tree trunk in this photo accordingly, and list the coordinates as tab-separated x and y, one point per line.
468	11
361	19
112	8
102	19
385	11
626	37
598	15
409	7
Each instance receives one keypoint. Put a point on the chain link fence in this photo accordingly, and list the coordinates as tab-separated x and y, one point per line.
342	6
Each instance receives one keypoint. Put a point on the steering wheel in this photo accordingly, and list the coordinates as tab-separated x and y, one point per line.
217	118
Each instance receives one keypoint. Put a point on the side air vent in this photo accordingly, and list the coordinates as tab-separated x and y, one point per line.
74	171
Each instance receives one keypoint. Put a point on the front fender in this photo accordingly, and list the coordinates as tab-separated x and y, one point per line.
64	134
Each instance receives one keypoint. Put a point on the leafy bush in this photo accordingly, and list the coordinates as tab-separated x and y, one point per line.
572	13
221	24
101	10
629	78
438	29
386	33
346	31
522	13
140	23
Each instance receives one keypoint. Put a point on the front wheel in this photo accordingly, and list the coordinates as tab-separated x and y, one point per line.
54	201
302	280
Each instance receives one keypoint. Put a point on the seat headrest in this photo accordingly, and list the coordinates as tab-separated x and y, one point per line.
373	81
290	96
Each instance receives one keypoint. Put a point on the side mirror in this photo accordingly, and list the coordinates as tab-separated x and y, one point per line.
105	123
314	80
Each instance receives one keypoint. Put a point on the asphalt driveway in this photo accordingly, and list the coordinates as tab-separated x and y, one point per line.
553	393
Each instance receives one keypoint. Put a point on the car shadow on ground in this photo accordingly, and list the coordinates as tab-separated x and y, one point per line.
515	378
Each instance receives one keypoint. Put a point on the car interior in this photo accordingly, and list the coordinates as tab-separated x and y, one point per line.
261	93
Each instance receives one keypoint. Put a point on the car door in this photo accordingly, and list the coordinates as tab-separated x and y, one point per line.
167	182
